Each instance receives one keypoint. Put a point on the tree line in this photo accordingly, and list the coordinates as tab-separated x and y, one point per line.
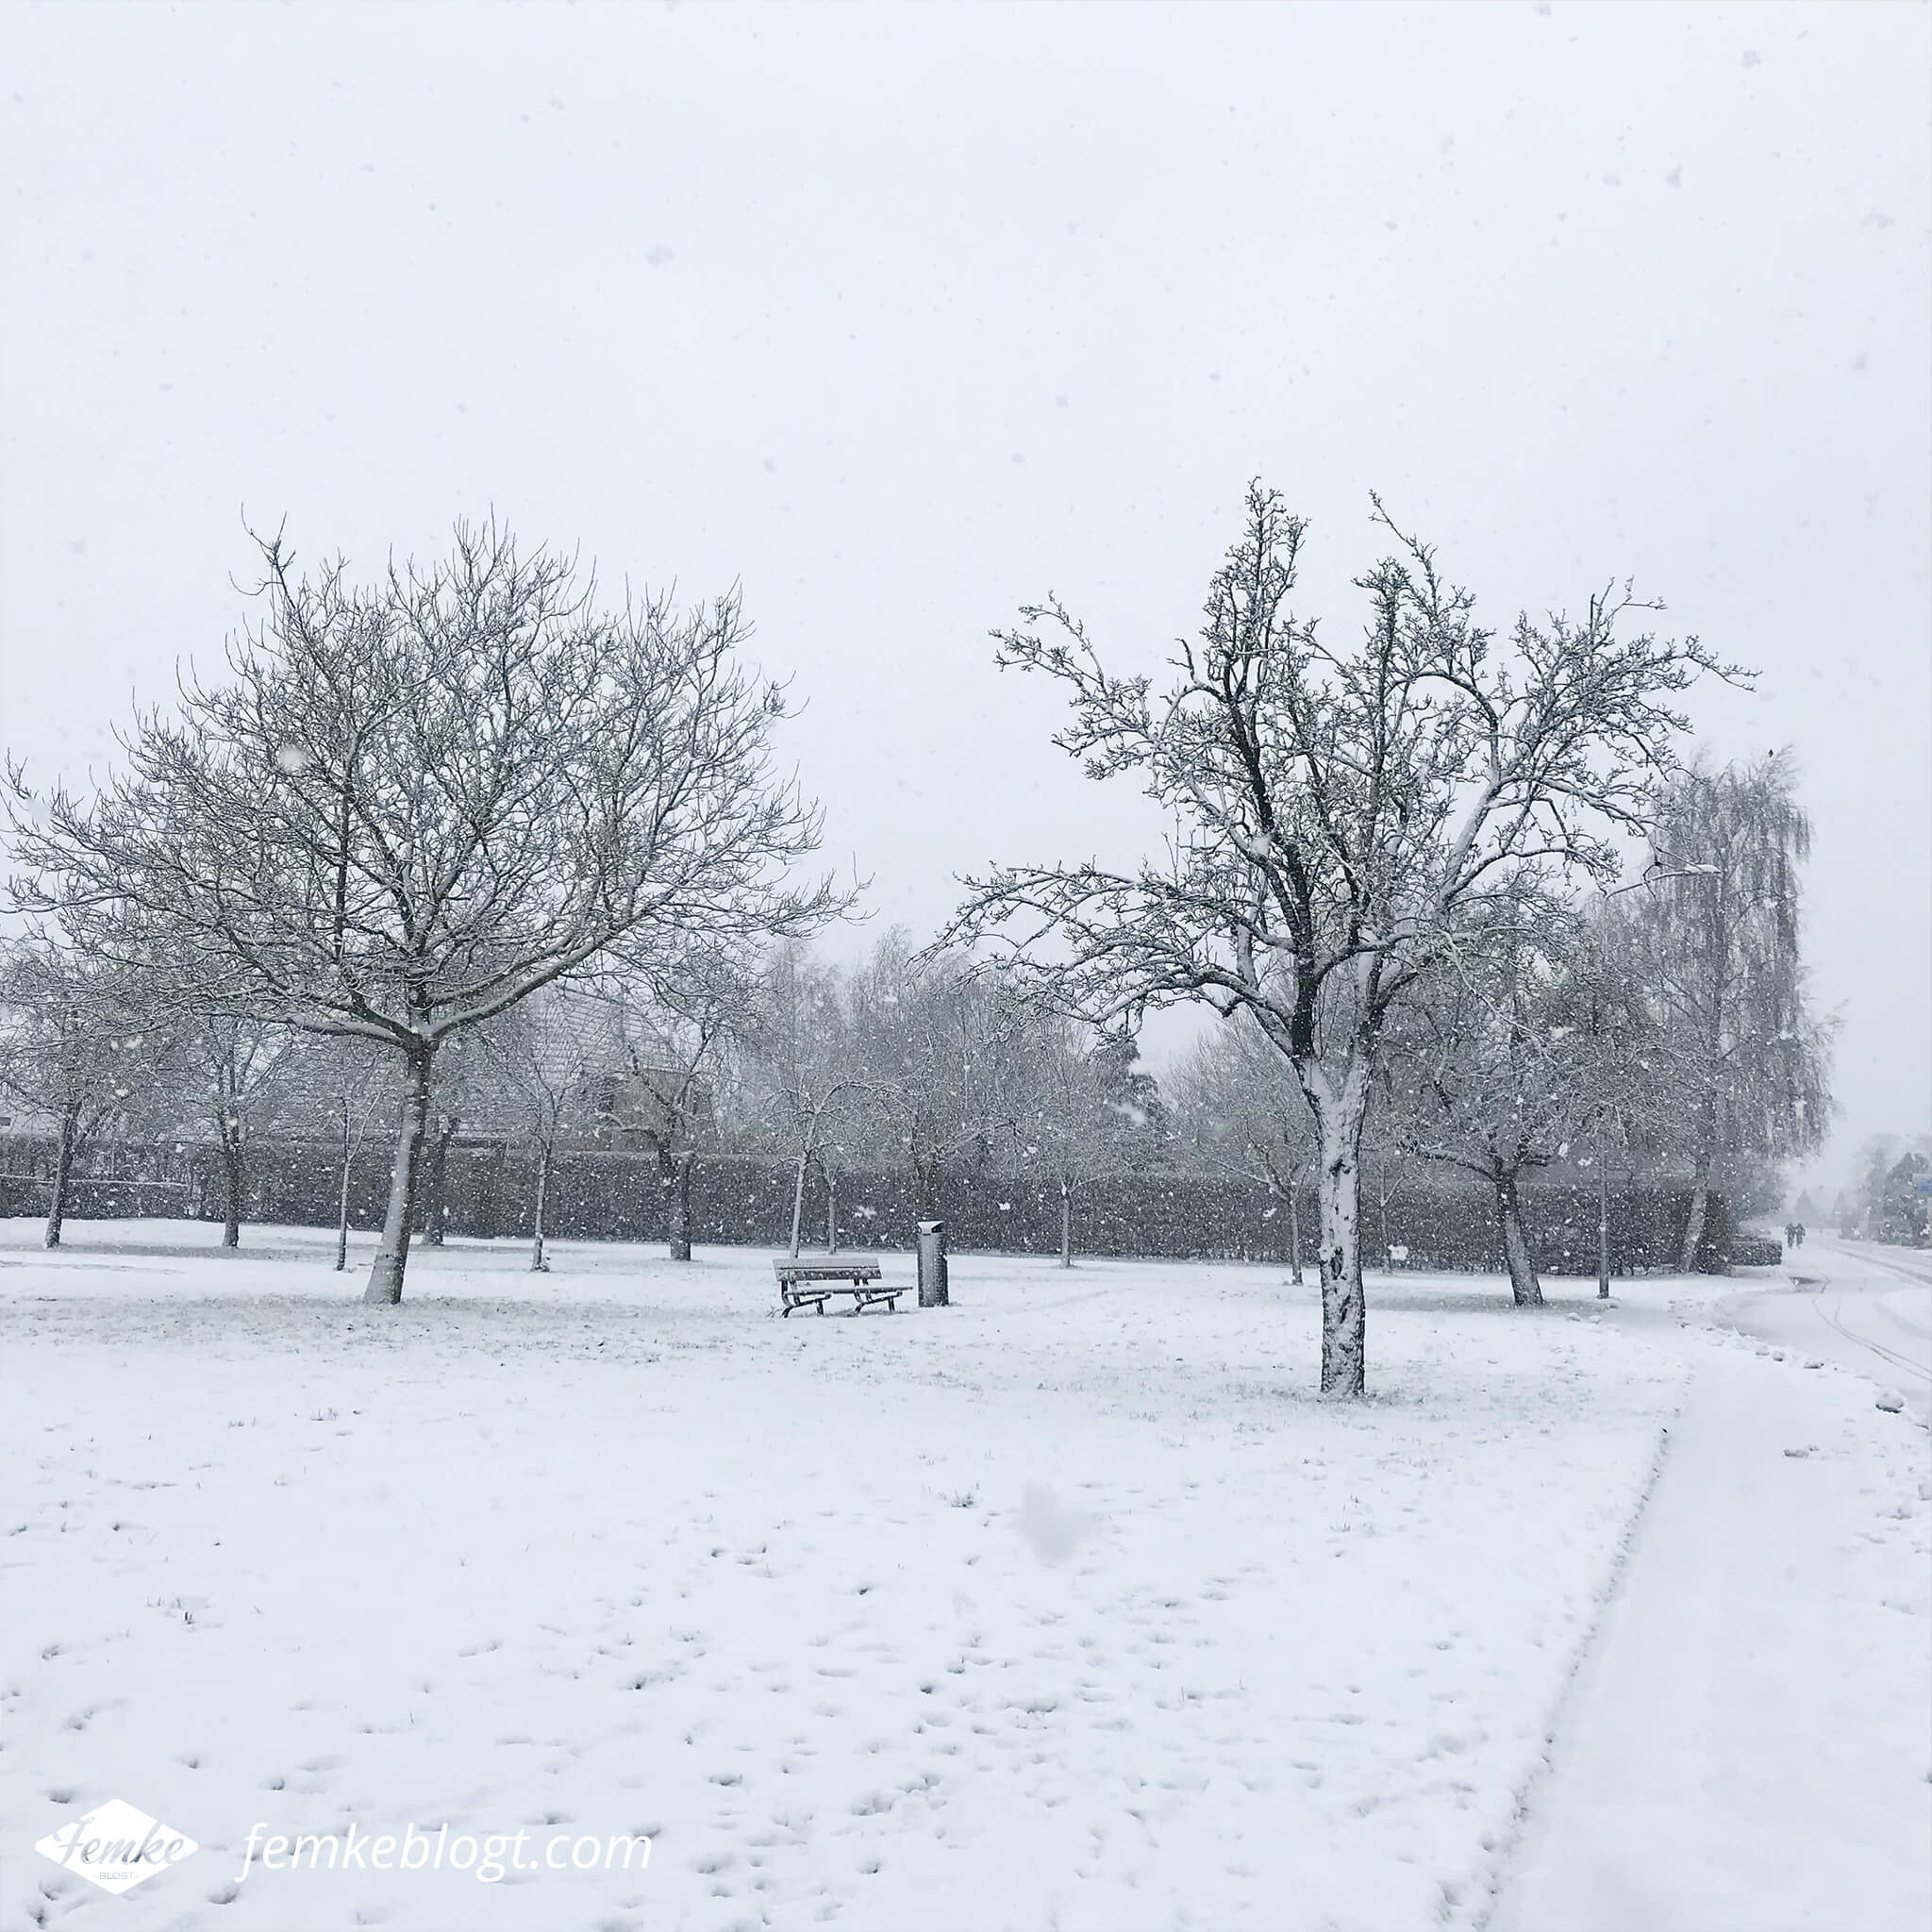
470	840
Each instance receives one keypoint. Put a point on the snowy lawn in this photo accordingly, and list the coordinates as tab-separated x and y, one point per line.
1069	1606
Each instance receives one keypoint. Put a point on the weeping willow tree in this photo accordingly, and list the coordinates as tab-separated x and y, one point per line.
1721	933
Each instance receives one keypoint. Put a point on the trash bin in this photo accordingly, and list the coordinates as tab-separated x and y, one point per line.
932	1264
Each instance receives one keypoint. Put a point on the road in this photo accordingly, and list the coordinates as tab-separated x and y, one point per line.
1864	1306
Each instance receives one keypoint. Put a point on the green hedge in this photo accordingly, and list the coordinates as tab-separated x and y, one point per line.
1442	1222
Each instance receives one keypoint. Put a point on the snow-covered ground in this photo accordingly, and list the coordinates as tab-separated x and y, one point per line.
1750	1740
1861	1304
1069	1606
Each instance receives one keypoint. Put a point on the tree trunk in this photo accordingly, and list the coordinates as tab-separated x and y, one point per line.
664	1153
798	1200
1700	1214
831	1212
1344	1313
680	1205
392	1250
1524	1284
1294	1226
1066	1225
537	1265
435	1207
342	1213
1700	1187
63	1174
237	1180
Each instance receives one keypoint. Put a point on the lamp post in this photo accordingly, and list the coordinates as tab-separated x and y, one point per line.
1603	1216
1651	876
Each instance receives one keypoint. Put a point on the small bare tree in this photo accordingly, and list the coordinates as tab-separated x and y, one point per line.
330	1090
359	1081
938	1044
1075	1108
1491	1066
413	804
1064	1111
451	1100
803	1074
1339	813
80	1044
238	1062
1242	1113
679	1008
555	1051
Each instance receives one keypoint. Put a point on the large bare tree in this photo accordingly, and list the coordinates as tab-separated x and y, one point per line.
1338	811
411	804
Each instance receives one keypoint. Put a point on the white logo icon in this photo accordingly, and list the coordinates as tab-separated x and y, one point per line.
116	1847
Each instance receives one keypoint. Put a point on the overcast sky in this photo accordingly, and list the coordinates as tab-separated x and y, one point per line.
901	316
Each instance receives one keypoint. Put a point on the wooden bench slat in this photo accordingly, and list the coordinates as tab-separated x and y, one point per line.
812	1280
827	1268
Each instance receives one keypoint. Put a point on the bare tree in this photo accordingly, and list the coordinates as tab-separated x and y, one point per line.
680	1009
804	1078
1063	1110
1721	935
80	1046
451	1103
1338	814
940	1043
1081	1107
237	1061
414	804
1491	1066
359	1087
555	1051
1242	1113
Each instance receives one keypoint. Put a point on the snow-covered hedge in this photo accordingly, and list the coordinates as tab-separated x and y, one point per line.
1441	1221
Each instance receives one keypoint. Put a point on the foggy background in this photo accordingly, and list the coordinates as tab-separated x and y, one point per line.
899	317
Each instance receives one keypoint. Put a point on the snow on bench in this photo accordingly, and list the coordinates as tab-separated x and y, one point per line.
812	1280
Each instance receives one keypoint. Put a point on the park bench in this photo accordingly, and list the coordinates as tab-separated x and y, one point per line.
812	1280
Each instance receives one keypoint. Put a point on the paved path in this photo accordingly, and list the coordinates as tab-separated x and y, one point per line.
1749	1743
